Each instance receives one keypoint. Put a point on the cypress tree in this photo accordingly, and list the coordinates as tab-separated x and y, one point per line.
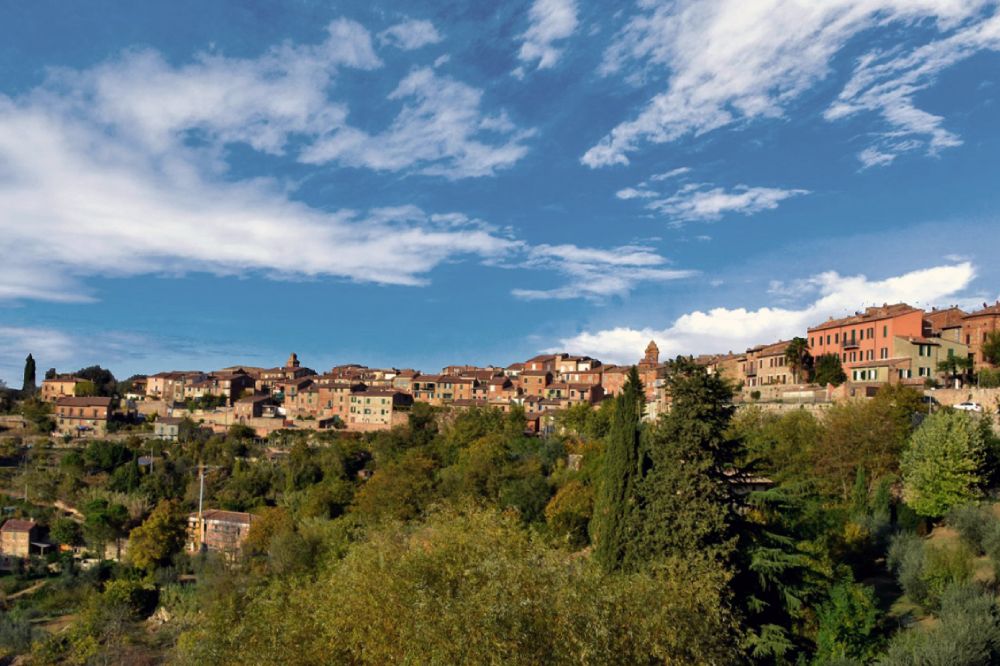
614	520
29	375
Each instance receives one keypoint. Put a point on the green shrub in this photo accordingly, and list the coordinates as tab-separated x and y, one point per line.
973	522
925	570
968	633
847	624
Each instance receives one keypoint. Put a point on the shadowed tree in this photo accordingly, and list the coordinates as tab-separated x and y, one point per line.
29	375
991	348
956	366
616	500
829	370
799	359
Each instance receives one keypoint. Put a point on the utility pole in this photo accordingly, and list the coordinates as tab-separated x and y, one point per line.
201	499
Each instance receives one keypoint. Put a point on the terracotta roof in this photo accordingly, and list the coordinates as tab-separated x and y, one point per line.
921	341
16	525
869	315
466	402
225	516
254	398
542	358
947	318
63	378
535	373
774	349
423	379
988	310
93	401
379	393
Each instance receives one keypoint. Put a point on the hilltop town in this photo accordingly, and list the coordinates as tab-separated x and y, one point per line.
142	511
889	344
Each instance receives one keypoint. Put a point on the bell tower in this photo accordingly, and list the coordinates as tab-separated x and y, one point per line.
652	356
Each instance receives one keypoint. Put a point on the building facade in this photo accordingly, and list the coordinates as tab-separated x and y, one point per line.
83	417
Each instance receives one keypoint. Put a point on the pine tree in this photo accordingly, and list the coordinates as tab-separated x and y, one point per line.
29	375
688	507
615	507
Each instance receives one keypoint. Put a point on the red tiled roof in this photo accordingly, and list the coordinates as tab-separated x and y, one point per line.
869	315
922	341
16	525
93	401
947	318
225	516
988	310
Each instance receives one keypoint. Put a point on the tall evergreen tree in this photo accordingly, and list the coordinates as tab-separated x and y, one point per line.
615	507
688	507
29	375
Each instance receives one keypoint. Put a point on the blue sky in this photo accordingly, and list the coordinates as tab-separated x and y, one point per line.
194	184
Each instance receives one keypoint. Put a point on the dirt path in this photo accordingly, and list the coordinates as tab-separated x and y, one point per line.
28	590
58	504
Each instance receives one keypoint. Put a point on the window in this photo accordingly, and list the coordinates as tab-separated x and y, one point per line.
885	331
884	352
836	337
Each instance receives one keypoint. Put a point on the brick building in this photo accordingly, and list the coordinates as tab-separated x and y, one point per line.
866	336
976	326
62	386
83	417
218	531
16	537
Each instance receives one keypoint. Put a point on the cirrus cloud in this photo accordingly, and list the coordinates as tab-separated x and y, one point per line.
732	61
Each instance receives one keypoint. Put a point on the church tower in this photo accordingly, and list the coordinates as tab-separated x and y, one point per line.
293	361
652	356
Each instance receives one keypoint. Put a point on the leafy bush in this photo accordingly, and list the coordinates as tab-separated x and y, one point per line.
16	633
973	522
471	588
968	633
925	570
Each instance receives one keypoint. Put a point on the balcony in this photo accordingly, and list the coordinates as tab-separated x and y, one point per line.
849	344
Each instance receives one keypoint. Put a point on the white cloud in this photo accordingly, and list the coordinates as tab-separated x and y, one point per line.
703	202
441	130
121	170
551	21
735	329
731	61
886	82
259	101
410	35
673	173
597	274
871	157
699	202
633	193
